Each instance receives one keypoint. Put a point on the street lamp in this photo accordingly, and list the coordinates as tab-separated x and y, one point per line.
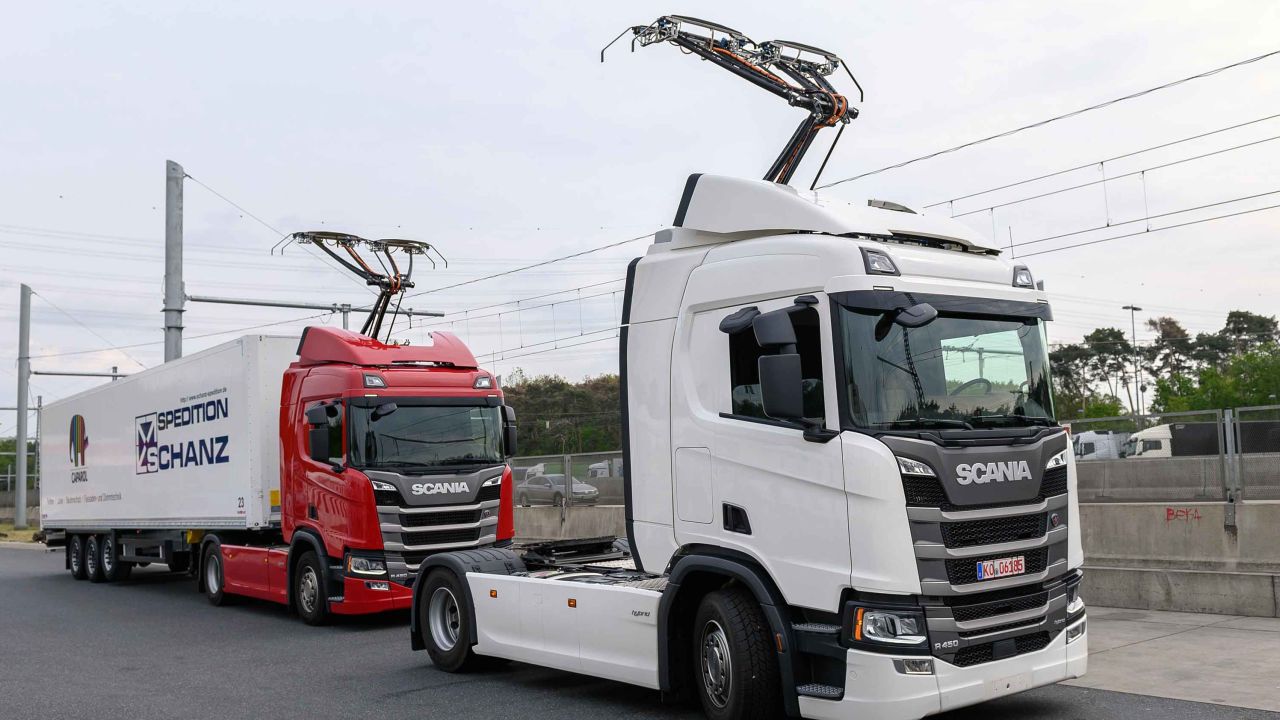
1133	327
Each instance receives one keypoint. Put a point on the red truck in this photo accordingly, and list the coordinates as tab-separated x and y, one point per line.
317	473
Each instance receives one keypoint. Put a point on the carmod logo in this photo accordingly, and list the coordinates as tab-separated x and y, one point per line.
982	473
79	440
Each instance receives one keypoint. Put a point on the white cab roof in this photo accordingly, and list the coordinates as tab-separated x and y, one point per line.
721	204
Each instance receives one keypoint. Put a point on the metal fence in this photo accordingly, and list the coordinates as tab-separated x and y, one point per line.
1210	455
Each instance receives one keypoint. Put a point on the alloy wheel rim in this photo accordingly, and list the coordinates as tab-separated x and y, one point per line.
308	590
444	618
213	575
717	666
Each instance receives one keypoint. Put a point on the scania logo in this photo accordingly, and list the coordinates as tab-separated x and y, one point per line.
983	473
445	487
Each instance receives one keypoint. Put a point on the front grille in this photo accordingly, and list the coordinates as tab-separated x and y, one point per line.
993	531
928	492
387	497
978	654
923	491
999	603
441	537
489	492
963	572
998	628
452	517
1054	482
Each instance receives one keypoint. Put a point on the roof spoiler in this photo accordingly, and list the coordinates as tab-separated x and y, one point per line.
321	345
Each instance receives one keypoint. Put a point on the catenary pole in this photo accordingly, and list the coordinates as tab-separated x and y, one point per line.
174	296
24	380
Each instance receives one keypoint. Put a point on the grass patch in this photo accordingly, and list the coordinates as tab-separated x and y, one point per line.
8	534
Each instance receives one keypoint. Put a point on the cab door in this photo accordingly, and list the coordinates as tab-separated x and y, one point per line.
749	482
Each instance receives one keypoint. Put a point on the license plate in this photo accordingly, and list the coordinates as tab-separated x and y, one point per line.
1001	567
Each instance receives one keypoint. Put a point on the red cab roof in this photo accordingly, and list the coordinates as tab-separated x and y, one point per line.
333	345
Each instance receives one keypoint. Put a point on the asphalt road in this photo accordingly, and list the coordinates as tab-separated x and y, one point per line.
154	648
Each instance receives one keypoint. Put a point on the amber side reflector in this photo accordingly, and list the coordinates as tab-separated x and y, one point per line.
493	593
777	637
573	603
857	625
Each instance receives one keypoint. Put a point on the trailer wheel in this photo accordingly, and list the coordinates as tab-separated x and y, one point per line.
75	557
93	559
444	619
113	568
733	652
309	592
214	583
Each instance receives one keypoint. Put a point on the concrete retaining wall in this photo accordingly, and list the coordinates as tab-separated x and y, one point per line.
544	523
1198	478
1224	593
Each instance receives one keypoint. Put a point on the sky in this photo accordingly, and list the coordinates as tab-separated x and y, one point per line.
493	131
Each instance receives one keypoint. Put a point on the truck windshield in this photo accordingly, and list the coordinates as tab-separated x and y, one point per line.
422	438
958	371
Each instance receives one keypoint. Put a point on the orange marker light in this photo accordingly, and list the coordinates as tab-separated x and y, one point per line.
857	625
493	593
573	603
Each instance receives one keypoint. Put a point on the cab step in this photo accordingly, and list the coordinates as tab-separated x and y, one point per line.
820	691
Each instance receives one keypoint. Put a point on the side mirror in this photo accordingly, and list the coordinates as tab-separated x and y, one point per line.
318	415
382	411
509	430
774	329
916	316
319	437
781	384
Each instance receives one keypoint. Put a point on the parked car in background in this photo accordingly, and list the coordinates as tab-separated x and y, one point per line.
550	490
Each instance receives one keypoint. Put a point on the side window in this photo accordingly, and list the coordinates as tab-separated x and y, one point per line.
331	432
744	367
1150	445
1088	449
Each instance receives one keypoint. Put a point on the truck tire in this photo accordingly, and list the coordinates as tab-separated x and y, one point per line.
75	557
113	568
736	668
444	619
93	559
310	595
215	586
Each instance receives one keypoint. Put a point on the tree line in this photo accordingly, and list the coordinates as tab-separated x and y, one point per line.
557	417
1236	366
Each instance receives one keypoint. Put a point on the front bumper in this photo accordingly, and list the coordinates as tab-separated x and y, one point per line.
359	597
875	689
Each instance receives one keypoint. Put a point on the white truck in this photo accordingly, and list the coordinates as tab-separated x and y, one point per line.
846	492
890	532
1099	444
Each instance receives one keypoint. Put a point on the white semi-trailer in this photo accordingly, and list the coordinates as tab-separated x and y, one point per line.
847	495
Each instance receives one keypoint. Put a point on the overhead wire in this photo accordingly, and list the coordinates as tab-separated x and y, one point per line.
95	333
1056	118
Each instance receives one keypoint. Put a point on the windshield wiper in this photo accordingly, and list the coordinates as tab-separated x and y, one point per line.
1027	419
928	422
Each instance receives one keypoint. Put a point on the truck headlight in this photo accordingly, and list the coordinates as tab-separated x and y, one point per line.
907	466
380	485
1075	631
1057	461
1075	603
361	565
899	628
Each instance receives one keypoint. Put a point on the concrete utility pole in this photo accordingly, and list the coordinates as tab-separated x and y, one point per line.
24	379
1137	381
174	295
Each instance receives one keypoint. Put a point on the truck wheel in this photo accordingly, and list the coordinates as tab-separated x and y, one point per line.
214	582
309	593
75	557
733	652
113	568
93	560
444	619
